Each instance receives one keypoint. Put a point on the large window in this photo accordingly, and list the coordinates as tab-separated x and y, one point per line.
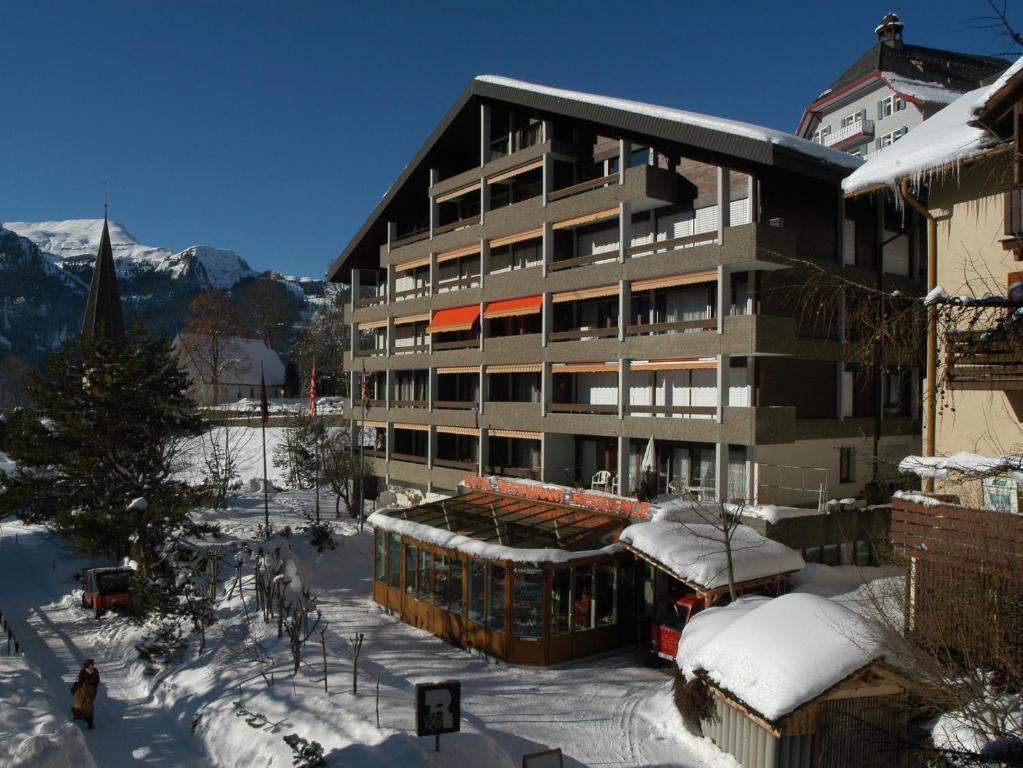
394	550
477	604
440	580
380	539
495	597
424	581
606	594
561	600
582	602
455	591
527	592
410	569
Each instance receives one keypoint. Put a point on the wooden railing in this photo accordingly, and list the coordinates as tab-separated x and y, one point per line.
375	453
584	186
985	359
411	293
671	244
584	333
369	352
530	473
456	464
409	404
411	237
646	329
472	281
673	410
370	301
581	408
1014	211
458	344
582	261
458	405
410	349
411	457
467	222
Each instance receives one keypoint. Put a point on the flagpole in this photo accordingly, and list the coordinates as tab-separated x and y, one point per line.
316	440
262	422
362	460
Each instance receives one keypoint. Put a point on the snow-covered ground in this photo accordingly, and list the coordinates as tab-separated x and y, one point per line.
218	708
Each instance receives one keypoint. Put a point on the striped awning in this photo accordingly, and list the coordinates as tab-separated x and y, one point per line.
676	364
504	176
516	368
375	424
370	324
454	319
690	278
424	317
586	218
412	427
516	434
456	253
474	186
415	263
585	293
458	369
459	431
524	305
518	237
585	368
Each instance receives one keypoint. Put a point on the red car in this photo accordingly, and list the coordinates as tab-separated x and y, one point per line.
106	588
671	613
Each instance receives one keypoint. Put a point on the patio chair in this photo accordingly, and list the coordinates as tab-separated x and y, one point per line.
601	481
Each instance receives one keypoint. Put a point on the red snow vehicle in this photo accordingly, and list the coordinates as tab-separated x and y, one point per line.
671	613
106	588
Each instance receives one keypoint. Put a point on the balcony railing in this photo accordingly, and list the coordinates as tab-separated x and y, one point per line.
672	410
530	473
464	464
584	186
369	352
409	404
411	236
671	244
459	405
647	329
458	283
411	457
582	261
457	344
858	128
1014	211
460	224
410	348
584	333
582	408
518	140
412	293
985	359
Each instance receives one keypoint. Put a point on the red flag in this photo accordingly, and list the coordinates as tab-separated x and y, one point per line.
312	393
264	405
365	388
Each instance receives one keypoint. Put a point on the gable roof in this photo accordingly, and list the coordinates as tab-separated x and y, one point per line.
924	75
729	138
243	367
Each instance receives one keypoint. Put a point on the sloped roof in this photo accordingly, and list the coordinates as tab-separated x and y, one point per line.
103	313
243	368
729	138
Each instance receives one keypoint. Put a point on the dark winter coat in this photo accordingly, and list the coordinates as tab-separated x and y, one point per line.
85	693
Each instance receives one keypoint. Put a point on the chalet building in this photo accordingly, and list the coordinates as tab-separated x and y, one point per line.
889	90
557	277
244	363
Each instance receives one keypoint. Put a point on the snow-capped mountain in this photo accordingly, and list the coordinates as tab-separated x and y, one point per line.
70	242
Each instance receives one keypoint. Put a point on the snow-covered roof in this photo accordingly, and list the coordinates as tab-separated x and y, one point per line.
939	467
694	552
776	654
456	541
735	127
938	145
243	367
921	90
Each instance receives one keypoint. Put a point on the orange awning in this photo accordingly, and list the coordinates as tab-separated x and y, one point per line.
518	237
454	319
524	305
514	368
412	427
455	253
515	434
585	293
585	368
531	166
458	431
677	364
690	278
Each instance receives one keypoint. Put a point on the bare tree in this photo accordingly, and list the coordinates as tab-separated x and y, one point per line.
207	341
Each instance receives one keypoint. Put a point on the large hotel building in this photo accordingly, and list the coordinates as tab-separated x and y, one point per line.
556	278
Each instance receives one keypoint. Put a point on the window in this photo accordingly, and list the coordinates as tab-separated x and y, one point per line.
424	581
855	117
561	598
847	465
495	597
606	596
889	106
455	590
582	603
394	560
380	539
440	580
527	591
477	604
890	138
821	134
410	569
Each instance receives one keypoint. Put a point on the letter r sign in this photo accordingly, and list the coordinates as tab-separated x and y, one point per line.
438	708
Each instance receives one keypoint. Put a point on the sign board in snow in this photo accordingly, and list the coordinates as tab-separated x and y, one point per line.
1001	494
549	758
438	708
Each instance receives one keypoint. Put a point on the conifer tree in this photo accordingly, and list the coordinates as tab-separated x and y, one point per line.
106	425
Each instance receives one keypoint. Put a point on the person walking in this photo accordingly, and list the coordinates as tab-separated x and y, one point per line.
84	690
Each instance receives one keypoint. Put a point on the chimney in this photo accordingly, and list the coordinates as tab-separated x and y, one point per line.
889	31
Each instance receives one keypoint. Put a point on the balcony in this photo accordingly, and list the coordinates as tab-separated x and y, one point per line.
1014	220
584	388
990	360
413	234
528	473
856	132
372	288
516	141
593	178
682	326
468	221
579	334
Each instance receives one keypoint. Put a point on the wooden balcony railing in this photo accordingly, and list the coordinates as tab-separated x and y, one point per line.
375	453
457	344
471	281
584	186
460	224
985	359
581	408
411	237
671	244
582	261
457	405
1014	211
468	464
530	473
672	410
406	350
370	301
410	457
409	404
647	329
369	352
412	293
584	333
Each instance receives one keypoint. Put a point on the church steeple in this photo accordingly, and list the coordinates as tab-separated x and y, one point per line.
103	313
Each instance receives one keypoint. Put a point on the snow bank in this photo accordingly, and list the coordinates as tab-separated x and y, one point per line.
734	127
33	731
939	467
456	541
775	655
693	552
7	465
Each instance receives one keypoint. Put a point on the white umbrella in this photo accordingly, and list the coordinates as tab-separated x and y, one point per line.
648	462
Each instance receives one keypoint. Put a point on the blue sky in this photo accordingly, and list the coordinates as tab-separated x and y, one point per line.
273	128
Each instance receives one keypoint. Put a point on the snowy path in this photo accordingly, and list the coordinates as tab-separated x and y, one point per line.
57	635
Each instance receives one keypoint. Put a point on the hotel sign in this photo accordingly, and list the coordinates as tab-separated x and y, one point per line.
559	494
